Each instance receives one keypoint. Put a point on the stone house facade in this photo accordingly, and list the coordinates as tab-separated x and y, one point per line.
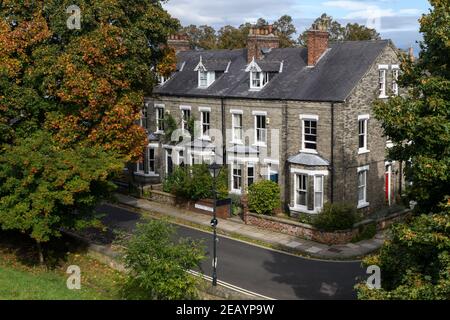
301	117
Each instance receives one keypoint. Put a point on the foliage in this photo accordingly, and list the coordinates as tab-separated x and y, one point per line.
44	187
236	205
306	218
195	182
229	37
419	123
336	216
285	29
170	126
415	262
367	231
350	32
69	101
158	266
168	63
264	197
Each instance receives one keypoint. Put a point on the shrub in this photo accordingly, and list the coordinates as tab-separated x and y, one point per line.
367	231
195	182
236	205
336	216
158	266
264	197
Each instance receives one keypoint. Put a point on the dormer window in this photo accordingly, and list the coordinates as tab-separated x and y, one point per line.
259	79
202	79
261	73
205	77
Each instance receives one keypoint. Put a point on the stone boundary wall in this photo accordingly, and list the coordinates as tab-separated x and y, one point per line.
309	232
204	206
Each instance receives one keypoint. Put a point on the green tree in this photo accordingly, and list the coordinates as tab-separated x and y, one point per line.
45	187
351	32
354	32
69	99
230	37
419	123
203	36
286	29
415	262
158	266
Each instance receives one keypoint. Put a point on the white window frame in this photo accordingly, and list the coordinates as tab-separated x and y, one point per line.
184	122
261	79
316	191
234	115
297	176
395	74
256	114
365	120
382	77
309	117
312	174
362	203
203	111
159	121
205	78
233	190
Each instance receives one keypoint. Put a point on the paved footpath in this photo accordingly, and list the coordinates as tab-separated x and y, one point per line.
233	227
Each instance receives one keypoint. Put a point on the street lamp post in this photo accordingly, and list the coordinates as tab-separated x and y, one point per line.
214	169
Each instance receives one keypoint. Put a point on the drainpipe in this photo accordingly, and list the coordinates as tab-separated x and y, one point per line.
224	136
332	154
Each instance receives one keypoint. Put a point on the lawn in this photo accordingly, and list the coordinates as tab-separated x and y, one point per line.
21	278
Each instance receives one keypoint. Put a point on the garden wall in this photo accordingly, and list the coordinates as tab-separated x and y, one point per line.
309	232
204	206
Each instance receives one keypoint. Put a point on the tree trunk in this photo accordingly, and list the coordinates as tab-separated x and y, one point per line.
40	252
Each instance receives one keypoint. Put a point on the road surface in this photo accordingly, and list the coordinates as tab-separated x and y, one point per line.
267	272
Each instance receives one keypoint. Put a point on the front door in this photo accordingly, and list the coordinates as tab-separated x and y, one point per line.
388	184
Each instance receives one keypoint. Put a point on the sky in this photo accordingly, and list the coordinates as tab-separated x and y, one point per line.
394	19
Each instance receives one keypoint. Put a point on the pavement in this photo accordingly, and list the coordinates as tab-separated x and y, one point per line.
234	227
263	271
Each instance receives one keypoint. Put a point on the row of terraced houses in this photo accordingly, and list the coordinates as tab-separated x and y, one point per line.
302	117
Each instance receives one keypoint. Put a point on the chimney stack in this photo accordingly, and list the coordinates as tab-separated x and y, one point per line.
260	38
179	42
317	42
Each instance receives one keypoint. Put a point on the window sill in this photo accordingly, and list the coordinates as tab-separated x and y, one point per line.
363	151
383	96
362	205
304	209
309	151
236	191
205	138
237	142
148	175
260	144
159	132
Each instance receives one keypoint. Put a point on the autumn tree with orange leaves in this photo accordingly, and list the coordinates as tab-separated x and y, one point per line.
69	103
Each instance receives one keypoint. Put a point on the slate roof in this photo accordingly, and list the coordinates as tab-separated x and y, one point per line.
332	79
308	159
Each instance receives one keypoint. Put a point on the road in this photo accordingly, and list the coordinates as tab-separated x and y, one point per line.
267	272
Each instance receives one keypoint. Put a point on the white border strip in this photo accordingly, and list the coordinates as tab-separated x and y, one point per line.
230	286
